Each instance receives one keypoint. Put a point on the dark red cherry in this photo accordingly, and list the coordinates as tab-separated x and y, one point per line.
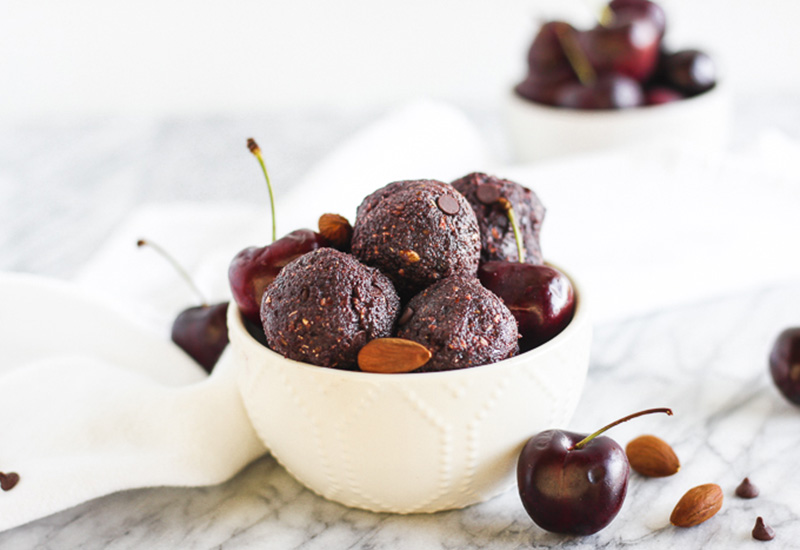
691	72
574	484
568	490
202	332
784	364
254	268
542	90
554	60
659	95
540	297
629	10
609	91
546	57
625	45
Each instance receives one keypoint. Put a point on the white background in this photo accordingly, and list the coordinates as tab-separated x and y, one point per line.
159	57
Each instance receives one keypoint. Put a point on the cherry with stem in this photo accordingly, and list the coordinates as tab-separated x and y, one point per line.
201	331
540	297
254	268
578	60
597	470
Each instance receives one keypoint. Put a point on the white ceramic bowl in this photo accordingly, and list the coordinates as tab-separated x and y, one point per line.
540	132
407	443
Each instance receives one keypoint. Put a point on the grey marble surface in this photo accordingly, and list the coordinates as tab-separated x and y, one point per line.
64	185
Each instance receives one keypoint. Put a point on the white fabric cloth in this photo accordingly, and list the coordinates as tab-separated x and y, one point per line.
107	403
93	403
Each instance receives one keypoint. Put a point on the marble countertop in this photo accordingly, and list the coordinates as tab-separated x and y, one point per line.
707	361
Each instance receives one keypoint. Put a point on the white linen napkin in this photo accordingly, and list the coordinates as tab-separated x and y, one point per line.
93	403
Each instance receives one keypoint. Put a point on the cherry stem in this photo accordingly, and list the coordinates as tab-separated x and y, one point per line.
606	16
603	17
585	441
256	150
505	204
575	55
178	267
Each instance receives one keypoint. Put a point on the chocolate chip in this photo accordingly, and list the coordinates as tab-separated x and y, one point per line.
746	489
448	204
405	317
762	531
8	481
304	294
487	193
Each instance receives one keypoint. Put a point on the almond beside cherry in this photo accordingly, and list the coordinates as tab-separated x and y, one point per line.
699	504
651	456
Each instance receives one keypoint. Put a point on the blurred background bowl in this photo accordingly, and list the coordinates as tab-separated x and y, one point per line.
540	132
409	443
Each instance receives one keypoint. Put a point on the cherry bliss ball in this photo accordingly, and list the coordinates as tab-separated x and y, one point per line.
497	236
461	323
417	232
325	306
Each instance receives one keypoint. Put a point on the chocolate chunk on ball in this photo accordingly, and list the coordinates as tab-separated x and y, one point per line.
461	323
497	235
325	306
417	232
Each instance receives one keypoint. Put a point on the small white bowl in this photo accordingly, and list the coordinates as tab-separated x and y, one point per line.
409	443
539	132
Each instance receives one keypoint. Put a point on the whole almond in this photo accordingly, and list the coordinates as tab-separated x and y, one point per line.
392	355
336	229
697	505
652	457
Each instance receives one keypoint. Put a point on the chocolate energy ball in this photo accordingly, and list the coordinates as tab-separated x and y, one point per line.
417	232
497	236
461	323
324	306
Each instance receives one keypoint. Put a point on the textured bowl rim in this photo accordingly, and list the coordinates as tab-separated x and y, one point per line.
579	318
